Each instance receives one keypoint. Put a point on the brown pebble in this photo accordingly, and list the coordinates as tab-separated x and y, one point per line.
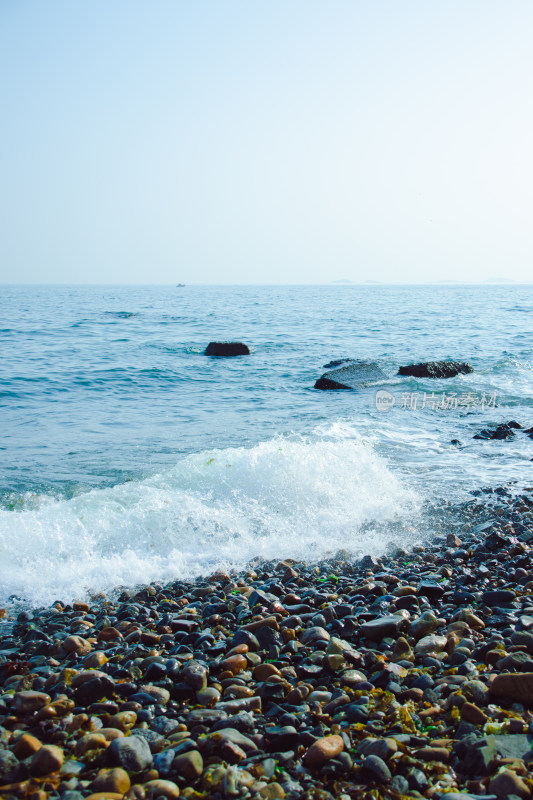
124	720
493	656
46	760
471	619
238	650
433	754
412	694
109	634
322	750
62	706
95	660
264	671
86	675
189	765
231	752
432	711
76	644
234	664
151	639
288	635
232	692
161	788
110	733
271	622
471	713
26	702
272	791
77	722
26	745
91	741
506	783
513	686
111	780
402	650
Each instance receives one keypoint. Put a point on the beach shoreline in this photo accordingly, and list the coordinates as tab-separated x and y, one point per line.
405	675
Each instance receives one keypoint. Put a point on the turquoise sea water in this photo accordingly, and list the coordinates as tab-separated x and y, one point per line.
127	455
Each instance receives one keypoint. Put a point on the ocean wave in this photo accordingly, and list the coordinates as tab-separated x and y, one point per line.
295	496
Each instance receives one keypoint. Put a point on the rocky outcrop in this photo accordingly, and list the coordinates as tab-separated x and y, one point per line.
355	375
227	349
436	369
504	431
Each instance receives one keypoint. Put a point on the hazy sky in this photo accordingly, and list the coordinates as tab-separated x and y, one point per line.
273	141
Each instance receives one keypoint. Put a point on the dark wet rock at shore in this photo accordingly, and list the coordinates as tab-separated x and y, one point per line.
406	675
227	349
354	375
504	431
436	369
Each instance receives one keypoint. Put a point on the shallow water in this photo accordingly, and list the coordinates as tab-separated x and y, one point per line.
127	455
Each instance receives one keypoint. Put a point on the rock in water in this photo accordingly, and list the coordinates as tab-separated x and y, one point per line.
436	369
353	376
227	349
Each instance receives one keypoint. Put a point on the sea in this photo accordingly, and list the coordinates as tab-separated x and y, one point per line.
128	456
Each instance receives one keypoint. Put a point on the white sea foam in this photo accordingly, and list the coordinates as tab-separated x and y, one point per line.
287	497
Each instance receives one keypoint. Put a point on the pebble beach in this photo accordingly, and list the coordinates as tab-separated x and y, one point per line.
406	675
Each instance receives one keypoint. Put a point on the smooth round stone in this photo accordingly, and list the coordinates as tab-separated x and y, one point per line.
189	765
112	780
76	644
131	752
26	745
311	635
91	741
160	695
26	702
319	697
208	697
264	671
431	644
95	660
161	788
377	768
46	760
234	664
235	692
323	750
508	783
272	791
110	733
384	748
124	720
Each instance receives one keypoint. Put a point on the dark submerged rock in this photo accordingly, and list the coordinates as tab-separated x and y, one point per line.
354	375
436	369
227	349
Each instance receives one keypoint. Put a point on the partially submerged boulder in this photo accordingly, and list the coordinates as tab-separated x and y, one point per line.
227	349
504	431
355	375
436	369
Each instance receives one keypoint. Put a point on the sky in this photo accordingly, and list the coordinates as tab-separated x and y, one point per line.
288	141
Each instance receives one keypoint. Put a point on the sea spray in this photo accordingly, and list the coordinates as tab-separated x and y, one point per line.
292	496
